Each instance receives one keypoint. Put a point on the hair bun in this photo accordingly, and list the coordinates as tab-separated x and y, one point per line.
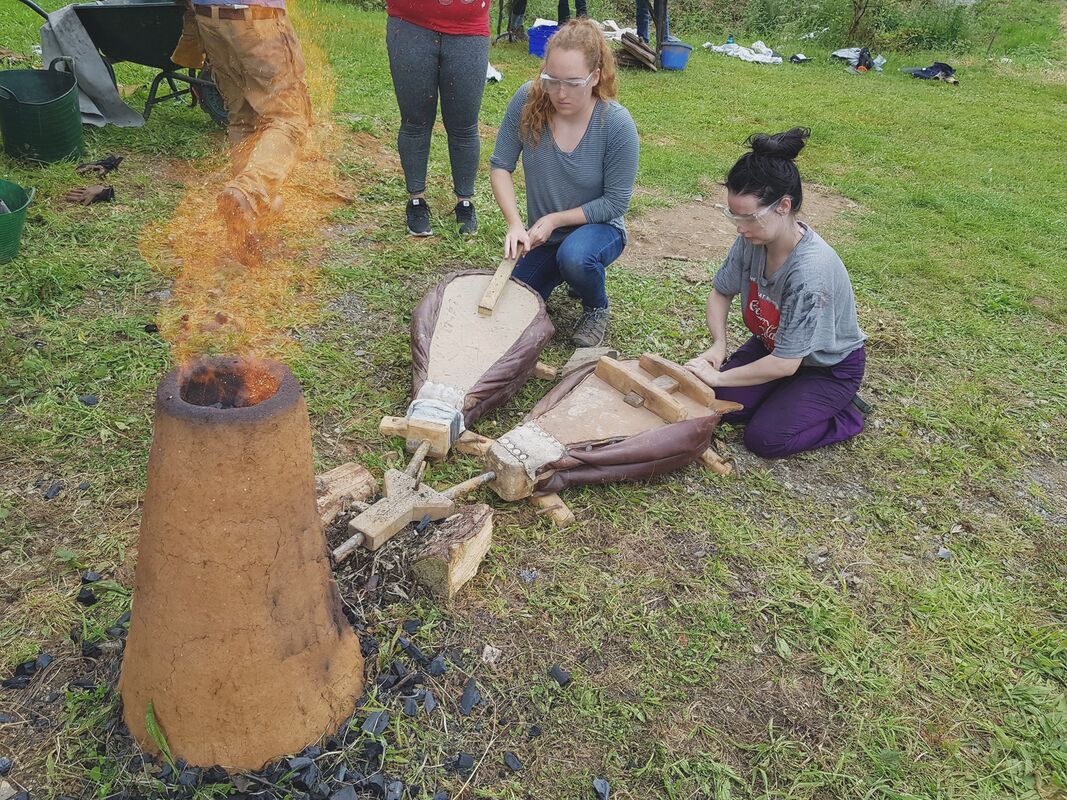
779	145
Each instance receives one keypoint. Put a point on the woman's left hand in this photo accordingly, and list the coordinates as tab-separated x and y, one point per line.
541	230
703	370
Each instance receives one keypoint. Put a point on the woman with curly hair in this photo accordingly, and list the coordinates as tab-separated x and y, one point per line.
798	374
579	151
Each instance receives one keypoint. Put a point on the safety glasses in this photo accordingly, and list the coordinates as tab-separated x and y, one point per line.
553	85
756	216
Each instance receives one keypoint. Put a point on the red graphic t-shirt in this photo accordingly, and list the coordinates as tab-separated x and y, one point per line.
458	17
761	315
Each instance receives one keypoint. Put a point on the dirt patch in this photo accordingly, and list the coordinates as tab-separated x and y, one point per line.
384	158
698	232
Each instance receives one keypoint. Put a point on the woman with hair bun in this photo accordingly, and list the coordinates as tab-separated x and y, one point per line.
798	374
579	152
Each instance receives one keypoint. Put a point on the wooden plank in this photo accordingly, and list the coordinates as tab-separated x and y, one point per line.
452	557
657	400
689	384
496	286
342	487
666	383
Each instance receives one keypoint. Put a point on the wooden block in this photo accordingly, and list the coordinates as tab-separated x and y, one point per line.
435	433
584	356
407	501
544	371
340	487
453	555
473	444
496	286
633	399
554	508
656	399
666	383
393	426
689	384
716	463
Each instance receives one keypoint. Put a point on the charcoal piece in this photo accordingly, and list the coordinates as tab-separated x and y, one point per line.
84	485
511	761
464	762
165	774
399	668
298	763
534	731
429	702
312	751
215	774
321	791
411	626
17	682
441	795
375	783
369	645
151	327
340	774
438	666
386	682
90	650
53	490
411	706
6	719
309	777
559	675
44	659
5	766
86	682
87	597
394	791
91	577
372	583
190	777
372	752
124	619
88	399
117	633
412	650
26	667
423	524
345	793
471	697
21	796
51	697
602	788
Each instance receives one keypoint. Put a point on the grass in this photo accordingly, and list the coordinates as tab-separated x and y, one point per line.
712	655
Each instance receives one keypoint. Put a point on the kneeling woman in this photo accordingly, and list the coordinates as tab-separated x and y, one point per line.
798	375
579	153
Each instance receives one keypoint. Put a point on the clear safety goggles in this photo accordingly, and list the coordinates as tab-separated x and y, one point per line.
552	85
756	216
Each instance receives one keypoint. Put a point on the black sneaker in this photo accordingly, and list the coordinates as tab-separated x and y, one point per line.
591	328
466	217
418	214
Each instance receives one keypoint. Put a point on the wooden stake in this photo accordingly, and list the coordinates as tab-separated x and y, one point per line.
453	556
552	506
468	486
342	488
716	463
496	286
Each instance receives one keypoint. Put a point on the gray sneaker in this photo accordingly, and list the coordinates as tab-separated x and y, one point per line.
591	328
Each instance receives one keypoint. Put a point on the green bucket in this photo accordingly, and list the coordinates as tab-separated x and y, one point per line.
39	115
17	200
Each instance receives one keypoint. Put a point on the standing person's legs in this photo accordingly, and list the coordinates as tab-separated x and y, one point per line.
218	37
271	62
538	270
643	17
462	83
810	410
518	14
563	12
583	259
580	9
414	61
749	396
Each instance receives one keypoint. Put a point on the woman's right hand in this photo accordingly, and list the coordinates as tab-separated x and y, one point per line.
517	242
715	354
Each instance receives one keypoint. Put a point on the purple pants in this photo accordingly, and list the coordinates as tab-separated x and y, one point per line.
810	409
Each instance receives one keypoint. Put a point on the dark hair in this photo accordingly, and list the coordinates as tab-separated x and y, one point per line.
768	171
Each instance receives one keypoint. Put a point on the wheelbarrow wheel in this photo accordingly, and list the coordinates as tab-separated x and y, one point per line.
210	99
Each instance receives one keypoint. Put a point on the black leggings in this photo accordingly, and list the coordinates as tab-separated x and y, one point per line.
518	11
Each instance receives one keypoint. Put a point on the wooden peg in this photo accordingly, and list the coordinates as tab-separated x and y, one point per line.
553	507
473	444
716	463
496	287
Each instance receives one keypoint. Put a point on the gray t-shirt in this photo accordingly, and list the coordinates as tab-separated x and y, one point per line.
805	310
597	175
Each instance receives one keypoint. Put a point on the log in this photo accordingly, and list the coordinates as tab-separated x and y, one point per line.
342	488
552	506
496	287
452	557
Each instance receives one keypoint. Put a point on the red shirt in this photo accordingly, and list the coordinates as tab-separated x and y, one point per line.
461	17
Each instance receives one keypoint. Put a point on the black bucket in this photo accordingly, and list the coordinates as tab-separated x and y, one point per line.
39	115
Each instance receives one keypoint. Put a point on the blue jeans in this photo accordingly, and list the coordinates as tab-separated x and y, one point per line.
580	260
644	14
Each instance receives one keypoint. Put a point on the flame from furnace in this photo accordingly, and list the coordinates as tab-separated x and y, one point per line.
217	304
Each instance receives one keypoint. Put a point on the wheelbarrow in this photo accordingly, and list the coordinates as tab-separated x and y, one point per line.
146	32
